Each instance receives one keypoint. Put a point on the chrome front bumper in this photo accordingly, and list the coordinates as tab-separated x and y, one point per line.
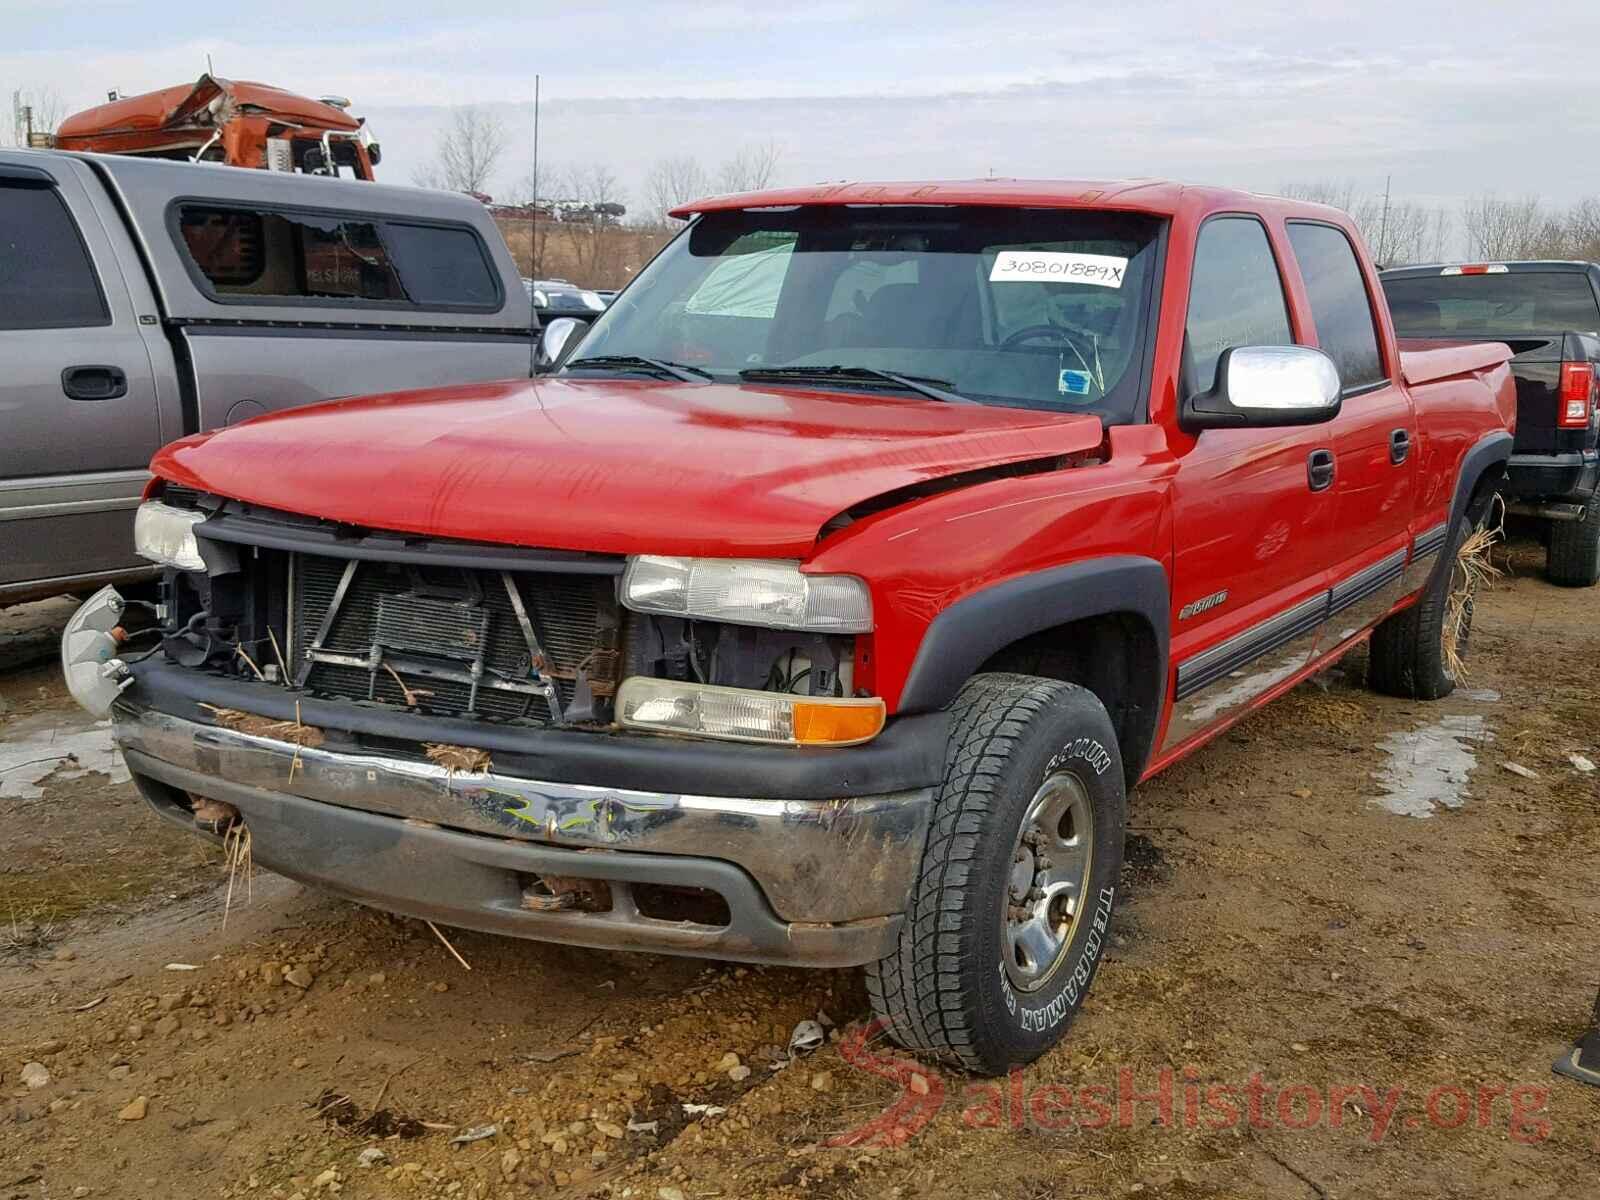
822	882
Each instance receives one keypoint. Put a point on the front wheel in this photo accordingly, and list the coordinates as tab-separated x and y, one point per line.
1008	920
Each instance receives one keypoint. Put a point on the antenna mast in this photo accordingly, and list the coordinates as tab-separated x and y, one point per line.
533	246
533	241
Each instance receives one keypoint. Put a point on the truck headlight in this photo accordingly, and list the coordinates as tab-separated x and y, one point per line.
747	591
741	715
165	535
591	301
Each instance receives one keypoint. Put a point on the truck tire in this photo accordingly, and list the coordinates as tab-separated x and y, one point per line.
1407	656
1573	559
1001	941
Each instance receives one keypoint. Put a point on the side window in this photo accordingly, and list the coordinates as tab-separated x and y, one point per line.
1340	306
1235	297
46	278
265	254
272	254
442	266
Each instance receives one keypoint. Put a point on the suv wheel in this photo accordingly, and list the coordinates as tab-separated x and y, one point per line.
1009	918
1573	559
1416	653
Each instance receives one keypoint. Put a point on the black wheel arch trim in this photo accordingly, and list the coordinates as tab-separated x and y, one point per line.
1490	454
977	627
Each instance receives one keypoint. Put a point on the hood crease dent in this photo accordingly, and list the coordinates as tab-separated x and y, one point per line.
612	466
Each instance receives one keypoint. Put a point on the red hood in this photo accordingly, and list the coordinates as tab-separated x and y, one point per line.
609	466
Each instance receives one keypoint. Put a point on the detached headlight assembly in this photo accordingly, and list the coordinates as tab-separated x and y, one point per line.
771	593
165	535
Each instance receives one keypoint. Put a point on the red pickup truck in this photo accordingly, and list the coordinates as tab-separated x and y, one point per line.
823	602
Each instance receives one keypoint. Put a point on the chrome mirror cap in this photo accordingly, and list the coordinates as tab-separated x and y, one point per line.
1263	386
554	341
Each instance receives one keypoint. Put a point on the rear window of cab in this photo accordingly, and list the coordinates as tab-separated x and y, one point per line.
270	255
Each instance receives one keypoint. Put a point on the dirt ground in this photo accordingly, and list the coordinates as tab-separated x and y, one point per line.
1340	1000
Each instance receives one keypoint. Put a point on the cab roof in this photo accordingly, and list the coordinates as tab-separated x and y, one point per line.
1158	197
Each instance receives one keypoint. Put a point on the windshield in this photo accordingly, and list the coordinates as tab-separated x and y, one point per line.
1500	305
1029	308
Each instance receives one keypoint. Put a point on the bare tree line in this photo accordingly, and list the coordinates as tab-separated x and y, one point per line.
468	153
1491	228
473	146
678	180
1397	232
1525	228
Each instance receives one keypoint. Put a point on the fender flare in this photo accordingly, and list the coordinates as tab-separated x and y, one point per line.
973	629
1489	454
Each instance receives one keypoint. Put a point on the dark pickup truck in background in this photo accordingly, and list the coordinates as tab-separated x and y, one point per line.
1549	314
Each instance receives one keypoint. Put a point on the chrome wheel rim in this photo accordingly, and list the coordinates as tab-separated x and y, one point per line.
1047	880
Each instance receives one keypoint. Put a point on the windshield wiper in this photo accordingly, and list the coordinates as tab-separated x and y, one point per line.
934	389
638	362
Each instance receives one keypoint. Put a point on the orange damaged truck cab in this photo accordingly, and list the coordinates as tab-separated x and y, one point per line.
239	123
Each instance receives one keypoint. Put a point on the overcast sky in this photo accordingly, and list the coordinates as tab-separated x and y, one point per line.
1452	99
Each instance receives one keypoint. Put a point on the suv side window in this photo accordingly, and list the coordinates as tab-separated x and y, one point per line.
1235	298
46	278
1340	306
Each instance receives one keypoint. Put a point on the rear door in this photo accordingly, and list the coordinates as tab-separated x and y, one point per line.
78	403
1374	436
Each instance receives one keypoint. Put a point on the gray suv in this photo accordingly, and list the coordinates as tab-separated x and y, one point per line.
143	300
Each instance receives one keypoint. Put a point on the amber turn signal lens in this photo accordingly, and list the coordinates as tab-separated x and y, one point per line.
819	723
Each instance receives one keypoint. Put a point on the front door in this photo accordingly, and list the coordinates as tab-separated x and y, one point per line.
1253	507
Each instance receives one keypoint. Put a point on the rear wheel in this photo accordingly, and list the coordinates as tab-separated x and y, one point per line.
1009	917
1573	559
1418	653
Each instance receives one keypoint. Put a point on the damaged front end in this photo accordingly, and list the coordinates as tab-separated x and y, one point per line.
549	744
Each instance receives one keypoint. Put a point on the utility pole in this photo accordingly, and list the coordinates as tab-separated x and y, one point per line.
1383	227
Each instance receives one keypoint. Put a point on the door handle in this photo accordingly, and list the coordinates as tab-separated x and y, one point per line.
94	383
1319	470
1399	446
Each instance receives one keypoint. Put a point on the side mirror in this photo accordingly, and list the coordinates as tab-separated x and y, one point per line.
556	340
1261	386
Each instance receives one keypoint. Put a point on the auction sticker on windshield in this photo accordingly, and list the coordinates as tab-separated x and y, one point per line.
1057	266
